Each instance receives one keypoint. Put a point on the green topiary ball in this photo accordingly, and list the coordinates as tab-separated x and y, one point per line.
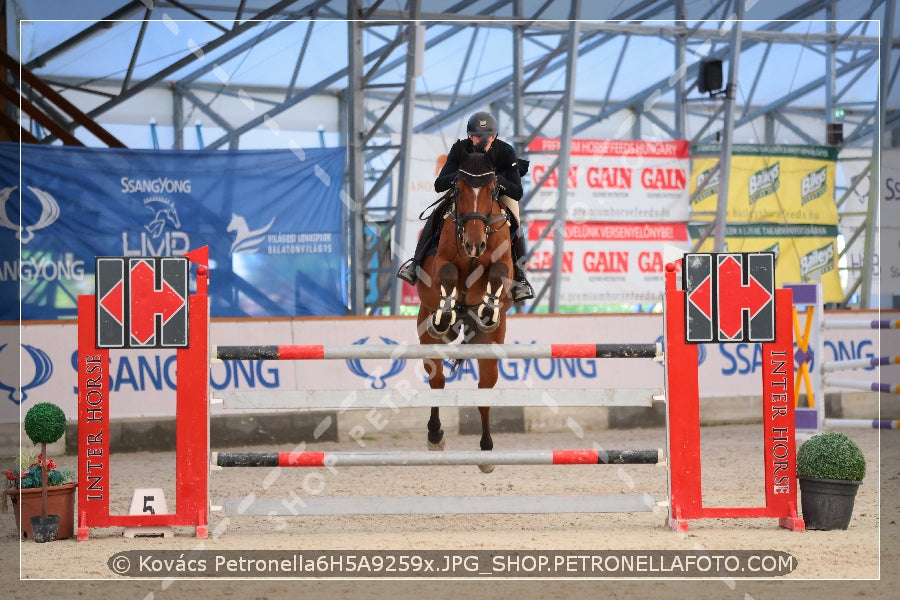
831	455
45	423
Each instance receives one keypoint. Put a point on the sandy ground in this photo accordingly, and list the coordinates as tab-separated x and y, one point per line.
860	561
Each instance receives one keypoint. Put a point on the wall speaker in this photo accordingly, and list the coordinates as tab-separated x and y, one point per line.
709	78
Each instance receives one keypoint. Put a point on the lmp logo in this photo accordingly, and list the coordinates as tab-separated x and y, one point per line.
164	212
43	369
377	380
49	213
245	240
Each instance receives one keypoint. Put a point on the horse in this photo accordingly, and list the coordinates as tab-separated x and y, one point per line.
464	287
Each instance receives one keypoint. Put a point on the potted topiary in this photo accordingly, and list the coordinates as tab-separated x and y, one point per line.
45	423
830	468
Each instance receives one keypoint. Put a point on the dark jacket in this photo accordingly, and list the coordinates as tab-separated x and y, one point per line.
502	156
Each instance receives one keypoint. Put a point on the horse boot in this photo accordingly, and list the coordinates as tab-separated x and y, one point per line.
521	289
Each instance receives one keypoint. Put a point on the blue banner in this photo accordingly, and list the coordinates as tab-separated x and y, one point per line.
272	219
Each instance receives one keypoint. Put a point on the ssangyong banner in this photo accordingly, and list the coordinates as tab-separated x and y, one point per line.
142	382
272	220
607	263
614	180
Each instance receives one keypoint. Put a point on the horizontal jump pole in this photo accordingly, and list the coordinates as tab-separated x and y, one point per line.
873	423
434	505
427	398
444	351
861	363
426	458
854	384
860	324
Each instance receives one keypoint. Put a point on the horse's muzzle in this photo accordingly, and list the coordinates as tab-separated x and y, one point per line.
473	250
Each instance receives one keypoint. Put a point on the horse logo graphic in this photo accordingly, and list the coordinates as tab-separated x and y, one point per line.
245	240
43	369
163	211
49	213
377	379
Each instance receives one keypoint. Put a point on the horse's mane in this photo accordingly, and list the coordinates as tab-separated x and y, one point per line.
476	169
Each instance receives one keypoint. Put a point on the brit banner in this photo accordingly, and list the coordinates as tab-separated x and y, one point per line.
614	180
273	221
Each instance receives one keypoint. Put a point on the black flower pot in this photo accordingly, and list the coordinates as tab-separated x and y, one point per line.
45	529
827	504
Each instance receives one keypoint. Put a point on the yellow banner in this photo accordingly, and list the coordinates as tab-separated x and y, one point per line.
803	253
768	184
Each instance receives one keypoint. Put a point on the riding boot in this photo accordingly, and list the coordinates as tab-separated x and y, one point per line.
522	290
409	271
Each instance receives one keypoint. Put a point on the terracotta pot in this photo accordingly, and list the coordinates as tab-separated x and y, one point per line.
60	501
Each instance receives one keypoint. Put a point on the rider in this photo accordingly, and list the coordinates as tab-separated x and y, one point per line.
482	137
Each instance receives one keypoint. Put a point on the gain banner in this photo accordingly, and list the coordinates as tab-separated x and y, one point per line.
273	221
614	180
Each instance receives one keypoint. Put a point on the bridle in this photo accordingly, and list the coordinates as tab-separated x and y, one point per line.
490	219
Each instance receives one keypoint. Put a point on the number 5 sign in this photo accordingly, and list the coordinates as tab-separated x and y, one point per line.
730	297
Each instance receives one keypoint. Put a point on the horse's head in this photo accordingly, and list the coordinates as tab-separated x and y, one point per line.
474	213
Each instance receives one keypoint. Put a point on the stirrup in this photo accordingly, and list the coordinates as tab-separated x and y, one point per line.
521	289
407	272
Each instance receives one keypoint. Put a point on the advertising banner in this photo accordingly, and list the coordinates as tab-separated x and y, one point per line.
607	263
142	382
768	184
608	257
272	219
889	247
614	180
803	253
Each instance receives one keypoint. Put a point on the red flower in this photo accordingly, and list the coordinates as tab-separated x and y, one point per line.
51	464
11	475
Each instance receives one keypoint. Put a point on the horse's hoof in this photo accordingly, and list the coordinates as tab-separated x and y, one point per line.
487	327
486	468
439	447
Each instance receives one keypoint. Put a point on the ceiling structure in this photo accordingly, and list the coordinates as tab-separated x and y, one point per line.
369	74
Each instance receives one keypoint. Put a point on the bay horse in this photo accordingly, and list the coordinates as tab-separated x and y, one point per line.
464	290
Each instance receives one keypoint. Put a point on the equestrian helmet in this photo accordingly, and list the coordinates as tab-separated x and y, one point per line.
483	124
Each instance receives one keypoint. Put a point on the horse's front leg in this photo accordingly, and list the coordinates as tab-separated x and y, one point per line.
435	371
444	316
488	312
488	374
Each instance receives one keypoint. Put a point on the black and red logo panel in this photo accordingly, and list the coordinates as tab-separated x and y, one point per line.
729	297
142	302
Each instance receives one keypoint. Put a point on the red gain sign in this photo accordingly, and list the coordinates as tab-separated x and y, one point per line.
663	179
544	260
609	178
553	179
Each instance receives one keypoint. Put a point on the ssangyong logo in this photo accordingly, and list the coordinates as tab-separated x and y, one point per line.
819	260
41	368
49	213
376	379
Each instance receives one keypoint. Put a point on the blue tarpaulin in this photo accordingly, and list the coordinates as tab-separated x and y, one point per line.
272	219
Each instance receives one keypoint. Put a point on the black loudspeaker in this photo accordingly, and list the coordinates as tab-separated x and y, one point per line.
709	78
